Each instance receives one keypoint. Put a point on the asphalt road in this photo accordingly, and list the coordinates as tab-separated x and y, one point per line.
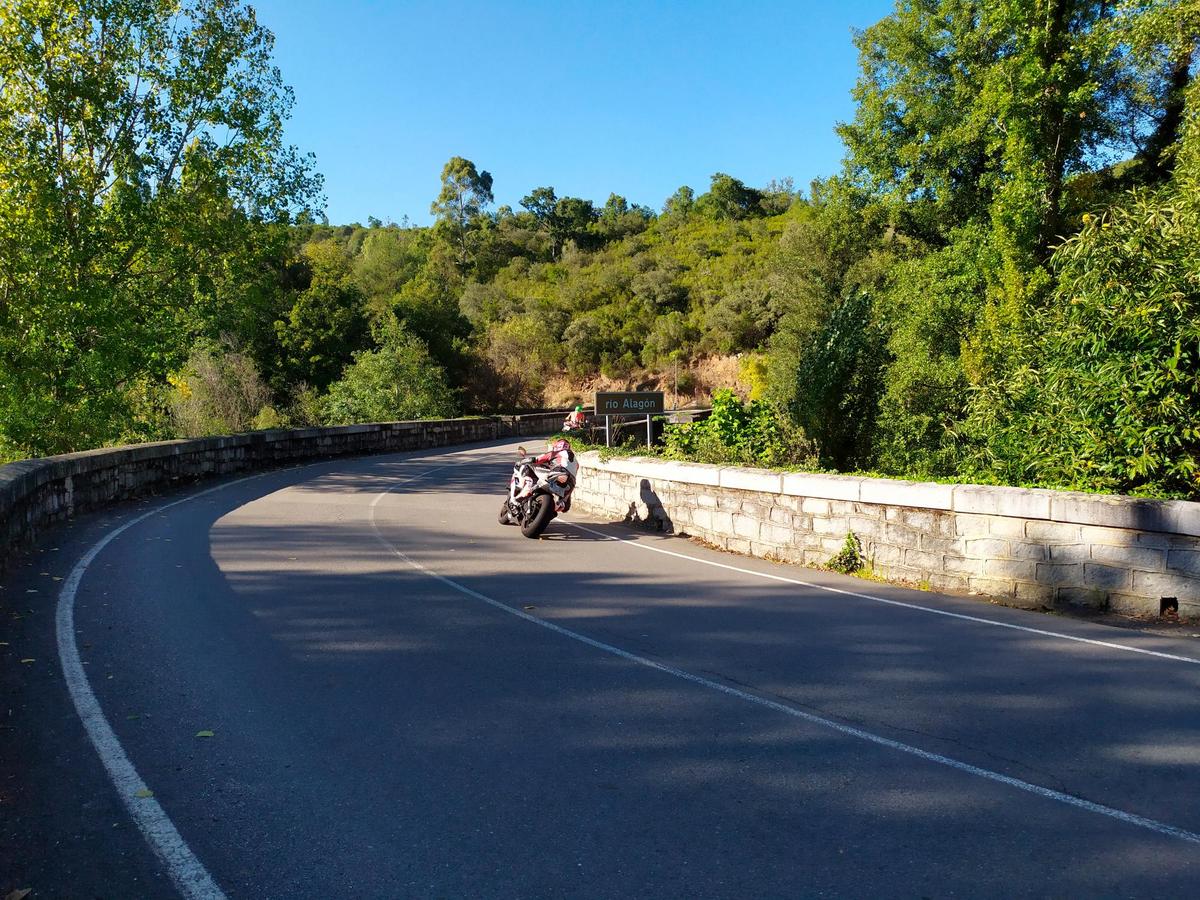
407	699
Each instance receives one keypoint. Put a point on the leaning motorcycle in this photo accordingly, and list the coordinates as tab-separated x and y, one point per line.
536	494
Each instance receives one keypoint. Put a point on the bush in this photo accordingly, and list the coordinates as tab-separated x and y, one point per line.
754	434
395	382
219	392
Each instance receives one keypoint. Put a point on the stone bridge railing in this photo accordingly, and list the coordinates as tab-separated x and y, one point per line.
35	493
1019	546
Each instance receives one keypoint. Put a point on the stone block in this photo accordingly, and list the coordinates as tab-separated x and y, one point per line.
1099	534
940	544
1133	604
919	559
960	564
776	534
949	582
737	478
974	526
1034	596
802	523
722	523
814	507
1070	552
690	473
707	500
864	526
991	587
1059	573
780	516
1164	584
920	519
902	536
886	555
837	525
1005	527
915	494
1015	569
829	487
842	508
736	545
746	527
1020	503
1027	550
1082	596
756	510
1170	516
702	519
1052	532
1149	558
986	548
832	545
815	558
1183	562
1110	578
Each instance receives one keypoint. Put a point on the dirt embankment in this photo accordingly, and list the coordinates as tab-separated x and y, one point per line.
696	381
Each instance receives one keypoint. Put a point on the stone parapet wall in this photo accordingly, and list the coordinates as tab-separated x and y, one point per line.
1022	547
35	493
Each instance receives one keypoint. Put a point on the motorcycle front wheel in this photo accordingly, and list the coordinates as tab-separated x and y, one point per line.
539	518
506	516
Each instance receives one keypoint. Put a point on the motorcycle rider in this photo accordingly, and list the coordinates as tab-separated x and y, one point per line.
559	458
574	420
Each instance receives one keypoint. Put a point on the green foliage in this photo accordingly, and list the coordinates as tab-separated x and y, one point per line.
220	391
738	433
326	323
138	160
397	381
849	559
930	309
838	384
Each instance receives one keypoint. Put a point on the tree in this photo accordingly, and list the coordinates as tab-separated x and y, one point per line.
465	193
326	324
139	142
728	198
395	382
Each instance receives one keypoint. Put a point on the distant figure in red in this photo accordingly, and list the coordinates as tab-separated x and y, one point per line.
575	420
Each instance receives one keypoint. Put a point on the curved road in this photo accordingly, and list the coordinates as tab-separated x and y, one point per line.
406	699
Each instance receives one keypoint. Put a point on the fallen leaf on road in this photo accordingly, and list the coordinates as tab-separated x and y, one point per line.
144	793
29	660
204	734
528	607
19	894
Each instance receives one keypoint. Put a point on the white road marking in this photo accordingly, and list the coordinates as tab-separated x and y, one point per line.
633	542
187	873
848	730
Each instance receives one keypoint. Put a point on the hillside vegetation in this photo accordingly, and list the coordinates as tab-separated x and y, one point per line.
1001	285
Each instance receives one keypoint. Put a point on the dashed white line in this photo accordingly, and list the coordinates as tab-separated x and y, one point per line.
633	542
1153	825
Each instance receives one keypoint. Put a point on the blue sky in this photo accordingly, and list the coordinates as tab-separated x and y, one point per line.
635	98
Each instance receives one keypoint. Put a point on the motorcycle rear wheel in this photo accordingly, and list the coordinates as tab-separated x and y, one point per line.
540	518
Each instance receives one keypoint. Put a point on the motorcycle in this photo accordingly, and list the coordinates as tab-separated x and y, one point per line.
536	494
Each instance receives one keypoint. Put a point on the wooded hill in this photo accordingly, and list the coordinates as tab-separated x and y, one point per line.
1002	284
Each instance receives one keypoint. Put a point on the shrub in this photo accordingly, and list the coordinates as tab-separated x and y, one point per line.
395	382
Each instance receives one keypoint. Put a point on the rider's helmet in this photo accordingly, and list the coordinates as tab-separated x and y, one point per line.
578	409
560	445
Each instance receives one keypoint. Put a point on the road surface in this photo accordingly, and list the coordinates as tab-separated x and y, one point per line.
406	699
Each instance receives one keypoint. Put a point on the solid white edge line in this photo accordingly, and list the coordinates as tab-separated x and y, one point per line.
632	541
184	868
848	730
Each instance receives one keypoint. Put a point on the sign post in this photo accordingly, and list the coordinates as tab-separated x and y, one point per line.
630	403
